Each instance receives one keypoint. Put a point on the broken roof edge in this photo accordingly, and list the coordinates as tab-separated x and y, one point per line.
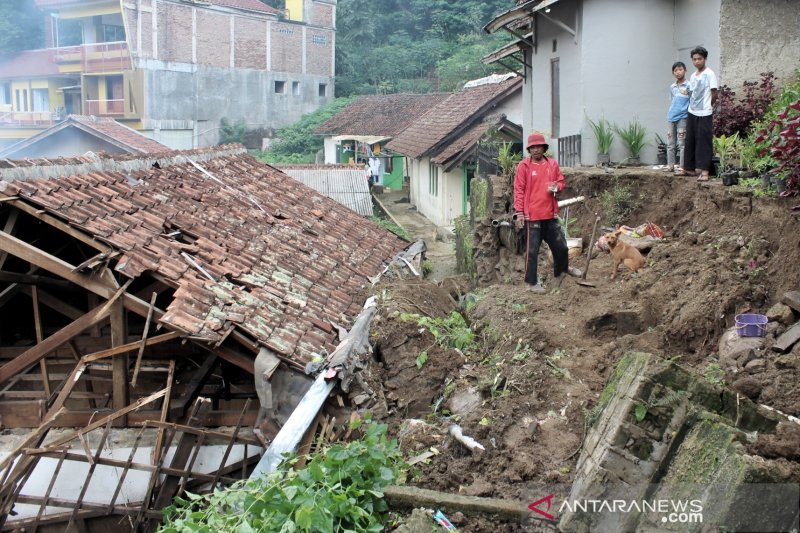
67	166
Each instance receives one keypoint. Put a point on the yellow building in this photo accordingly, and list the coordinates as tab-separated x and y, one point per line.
171	69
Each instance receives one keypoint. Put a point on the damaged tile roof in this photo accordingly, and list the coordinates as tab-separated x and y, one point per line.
451	116
244	245
104	128
380	114
347	184
461	146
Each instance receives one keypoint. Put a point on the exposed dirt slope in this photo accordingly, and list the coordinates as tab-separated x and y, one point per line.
542	360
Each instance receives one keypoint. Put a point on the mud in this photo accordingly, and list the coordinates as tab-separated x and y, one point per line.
541	361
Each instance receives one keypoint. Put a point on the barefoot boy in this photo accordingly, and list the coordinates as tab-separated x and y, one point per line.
677	115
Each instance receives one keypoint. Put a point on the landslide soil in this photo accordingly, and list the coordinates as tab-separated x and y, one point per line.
540	361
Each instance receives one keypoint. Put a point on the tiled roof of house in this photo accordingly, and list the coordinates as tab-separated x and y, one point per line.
379	114
244	245
105	128
347	184
457	111
454	152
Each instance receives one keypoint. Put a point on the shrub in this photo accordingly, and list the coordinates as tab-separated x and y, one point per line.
340	489
727	148
784	145
230	132
735	115
618	203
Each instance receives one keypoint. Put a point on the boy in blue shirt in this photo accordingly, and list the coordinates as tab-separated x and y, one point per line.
677	115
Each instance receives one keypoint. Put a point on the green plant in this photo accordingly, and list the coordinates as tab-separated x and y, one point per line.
452	331
422	358
727	149
618	203
714	374
232	133
340	489
633	137
639	411
427	268
603	134
507	159
387	224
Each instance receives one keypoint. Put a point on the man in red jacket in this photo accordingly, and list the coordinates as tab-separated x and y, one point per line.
537	182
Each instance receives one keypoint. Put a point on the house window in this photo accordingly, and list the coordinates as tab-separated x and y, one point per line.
5	94
319	39
388	164
555	45
433	180
22	99
41	100
113	34
280	87
323	89
296	88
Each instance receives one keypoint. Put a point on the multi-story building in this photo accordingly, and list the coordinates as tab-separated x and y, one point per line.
172	69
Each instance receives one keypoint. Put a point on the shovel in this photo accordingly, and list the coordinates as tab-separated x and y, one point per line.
583	281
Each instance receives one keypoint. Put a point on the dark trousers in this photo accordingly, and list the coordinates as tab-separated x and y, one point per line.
699	148
550	232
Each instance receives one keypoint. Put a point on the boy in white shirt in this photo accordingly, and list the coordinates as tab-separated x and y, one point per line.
703	87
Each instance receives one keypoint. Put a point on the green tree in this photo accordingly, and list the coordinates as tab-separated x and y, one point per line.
21	26
297	143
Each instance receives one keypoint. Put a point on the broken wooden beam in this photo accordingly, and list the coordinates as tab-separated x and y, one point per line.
144	340
405	497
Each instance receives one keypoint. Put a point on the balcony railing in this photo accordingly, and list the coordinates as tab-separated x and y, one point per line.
27	118
95	58
104	107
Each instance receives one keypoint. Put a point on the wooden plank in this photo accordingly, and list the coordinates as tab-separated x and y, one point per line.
243	361
11	221
49	490
182	452
129	347
59	224
66	389
34	279
164	412
403	497
192	389
788	339
78	418
57	266
144	339
56	304
15	414
120	393
37	325
113	416
231	442
243	439
33	355
125	469
90	474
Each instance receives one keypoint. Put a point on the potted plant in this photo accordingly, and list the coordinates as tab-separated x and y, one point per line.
726	148
604	136
632	137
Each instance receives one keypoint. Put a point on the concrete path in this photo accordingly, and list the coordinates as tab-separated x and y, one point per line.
441	254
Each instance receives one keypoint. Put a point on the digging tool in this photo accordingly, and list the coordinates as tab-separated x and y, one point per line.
583	281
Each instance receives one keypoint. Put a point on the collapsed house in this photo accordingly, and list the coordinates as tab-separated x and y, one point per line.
142	292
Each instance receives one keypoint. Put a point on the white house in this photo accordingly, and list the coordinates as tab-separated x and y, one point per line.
440	145
586	59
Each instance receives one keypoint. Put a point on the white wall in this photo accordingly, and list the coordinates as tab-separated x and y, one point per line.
620	66
444	207
512	108
330	150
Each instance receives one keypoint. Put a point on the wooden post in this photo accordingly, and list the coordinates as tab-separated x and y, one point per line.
144	340
37	323
119	387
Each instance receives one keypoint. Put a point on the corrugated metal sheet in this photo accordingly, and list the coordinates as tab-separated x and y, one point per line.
347	184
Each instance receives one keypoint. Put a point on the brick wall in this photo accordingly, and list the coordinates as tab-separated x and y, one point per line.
174	32
213	38
147	35
250	44
287	47
319	49
321	15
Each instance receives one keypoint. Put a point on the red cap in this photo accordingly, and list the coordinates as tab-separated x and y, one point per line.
535	139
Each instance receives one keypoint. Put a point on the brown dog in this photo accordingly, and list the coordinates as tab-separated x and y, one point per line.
623	253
